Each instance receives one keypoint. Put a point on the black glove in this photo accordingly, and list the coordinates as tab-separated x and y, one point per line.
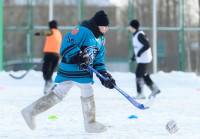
83	60
110	82
37	34
133	58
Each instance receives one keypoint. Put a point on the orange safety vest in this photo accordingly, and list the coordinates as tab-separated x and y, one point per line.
53	42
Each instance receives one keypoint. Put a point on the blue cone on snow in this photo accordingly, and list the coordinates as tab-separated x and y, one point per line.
133	117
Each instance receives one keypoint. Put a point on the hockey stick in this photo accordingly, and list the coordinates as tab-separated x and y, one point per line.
20	77
135	103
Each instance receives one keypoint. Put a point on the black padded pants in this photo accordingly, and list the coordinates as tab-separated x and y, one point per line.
49	65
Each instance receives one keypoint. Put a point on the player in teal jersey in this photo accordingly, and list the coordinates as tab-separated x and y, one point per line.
83	46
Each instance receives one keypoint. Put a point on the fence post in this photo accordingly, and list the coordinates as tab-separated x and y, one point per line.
131	51
81	11
181	37
155	65
1	35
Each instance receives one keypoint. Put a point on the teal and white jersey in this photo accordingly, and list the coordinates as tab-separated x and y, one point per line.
80	39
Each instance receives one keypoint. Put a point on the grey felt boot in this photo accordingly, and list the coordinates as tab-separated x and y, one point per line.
155	90
42	104
140	88
89	115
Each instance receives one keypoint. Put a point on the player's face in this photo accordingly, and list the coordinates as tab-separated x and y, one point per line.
132	30
103	29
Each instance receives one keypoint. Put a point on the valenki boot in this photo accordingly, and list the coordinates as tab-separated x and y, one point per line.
42	104
89	115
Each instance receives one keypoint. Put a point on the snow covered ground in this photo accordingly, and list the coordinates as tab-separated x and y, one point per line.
179	100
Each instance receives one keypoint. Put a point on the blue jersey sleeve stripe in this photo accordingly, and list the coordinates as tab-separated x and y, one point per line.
97	65
69	48
102	70
71	55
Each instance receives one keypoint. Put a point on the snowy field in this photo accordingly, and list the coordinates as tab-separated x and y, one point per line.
179	101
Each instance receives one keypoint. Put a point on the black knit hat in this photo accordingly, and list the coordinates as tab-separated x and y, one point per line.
53	24
101	18
135	24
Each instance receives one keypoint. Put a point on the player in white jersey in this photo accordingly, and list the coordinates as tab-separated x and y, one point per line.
143	56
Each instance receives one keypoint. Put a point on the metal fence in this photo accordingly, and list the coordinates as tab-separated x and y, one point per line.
177	44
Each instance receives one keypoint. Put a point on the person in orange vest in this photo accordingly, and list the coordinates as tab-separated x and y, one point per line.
51	53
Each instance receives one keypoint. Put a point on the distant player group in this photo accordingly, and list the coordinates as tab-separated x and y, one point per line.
82	47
